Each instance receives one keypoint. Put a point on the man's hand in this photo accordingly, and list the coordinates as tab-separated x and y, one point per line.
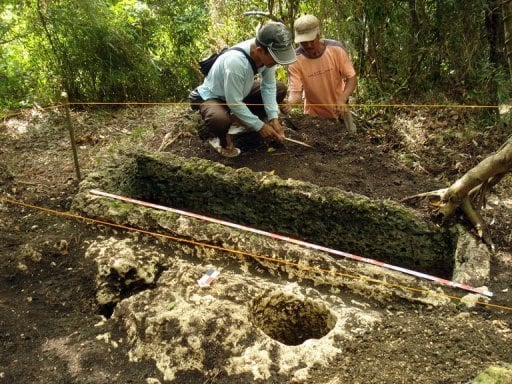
285	108
269	131
341	108
276	124
292	101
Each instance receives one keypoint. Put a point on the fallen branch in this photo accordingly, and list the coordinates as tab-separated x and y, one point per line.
167	141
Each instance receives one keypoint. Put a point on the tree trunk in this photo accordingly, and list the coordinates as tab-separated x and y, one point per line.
287	10
492	166
468	192
495	33
507	23
494	28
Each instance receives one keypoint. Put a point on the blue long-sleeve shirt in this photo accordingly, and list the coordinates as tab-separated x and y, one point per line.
231	78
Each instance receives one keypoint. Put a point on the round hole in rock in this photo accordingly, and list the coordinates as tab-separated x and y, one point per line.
291	320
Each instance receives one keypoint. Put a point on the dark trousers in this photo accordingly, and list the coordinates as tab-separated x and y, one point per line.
216	114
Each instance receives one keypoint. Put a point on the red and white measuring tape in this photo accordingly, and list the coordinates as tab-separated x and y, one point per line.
421	275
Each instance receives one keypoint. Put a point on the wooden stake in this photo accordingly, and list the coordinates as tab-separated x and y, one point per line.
71	134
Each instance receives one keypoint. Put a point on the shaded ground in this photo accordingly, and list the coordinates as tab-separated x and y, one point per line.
47	309
338	159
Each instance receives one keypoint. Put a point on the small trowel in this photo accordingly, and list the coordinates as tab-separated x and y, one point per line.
298	142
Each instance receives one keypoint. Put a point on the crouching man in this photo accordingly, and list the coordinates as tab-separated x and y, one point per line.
231	92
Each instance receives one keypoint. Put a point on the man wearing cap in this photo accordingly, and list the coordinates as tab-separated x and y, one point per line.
230	88
323	73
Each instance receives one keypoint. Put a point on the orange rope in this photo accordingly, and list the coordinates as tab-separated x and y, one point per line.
301	104
248	254
460	106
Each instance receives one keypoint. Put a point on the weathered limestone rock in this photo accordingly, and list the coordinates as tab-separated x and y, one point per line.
123	268
495	374
270	203
257	320
472	261
250	328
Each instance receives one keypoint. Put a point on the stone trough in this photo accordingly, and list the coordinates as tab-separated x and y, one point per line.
277	308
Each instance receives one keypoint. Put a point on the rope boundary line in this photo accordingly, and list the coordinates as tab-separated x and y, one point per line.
248	254
297	105
301	243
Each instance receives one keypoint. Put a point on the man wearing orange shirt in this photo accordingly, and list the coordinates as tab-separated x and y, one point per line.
323	74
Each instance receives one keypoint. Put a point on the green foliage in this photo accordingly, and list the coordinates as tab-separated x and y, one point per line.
99	50
128	51
136	50
19	71
228	24
425	50
495	375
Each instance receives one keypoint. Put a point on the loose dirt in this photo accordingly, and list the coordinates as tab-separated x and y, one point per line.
52	330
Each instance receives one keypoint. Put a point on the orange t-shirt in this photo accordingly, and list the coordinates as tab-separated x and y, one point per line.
322	79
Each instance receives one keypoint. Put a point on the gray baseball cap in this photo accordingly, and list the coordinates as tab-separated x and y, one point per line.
278	39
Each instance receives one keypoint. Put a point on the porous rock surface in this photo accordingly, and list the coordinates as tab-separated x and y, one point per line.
187	329
276	310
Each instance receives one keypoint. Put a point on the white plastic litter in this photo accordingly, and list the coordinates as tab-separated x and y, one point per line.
208	278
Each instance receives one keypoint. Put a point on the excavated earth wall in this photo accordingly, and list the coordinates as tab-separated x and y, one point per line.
381	230
277	308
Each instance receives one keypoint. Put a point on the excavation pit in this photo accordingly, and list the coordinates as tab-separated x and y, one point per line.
382	230
291	320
